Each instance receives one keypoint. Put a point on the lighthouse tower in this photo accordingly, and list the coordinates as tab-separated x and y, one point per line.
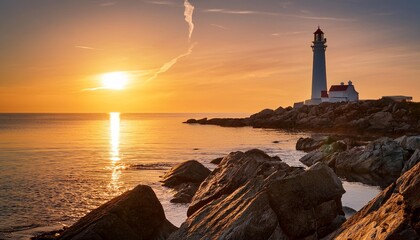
319	74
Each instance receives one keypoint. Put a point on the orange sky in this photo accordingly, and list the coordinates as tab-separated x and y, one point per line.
248	55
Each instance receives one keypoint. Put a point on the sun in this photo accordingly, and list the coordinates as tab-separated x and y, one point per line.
114	80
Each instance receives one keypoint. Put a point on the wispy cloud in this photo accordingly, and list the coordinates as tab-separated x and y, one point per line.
86	47
165	67
285	34
218	26
107	4
251	12
188	13
240	12
160	2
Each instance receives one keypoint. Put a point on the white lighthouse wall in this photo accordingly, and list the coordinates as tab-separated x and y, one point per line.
319	75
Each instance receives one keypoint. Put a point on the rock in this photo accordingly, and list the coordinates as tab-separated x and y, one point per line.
309	144
254	196
326	153
372	116
414	159
136	214
383	156
185	192
185	179
186	172
348	211
409	143
380	120
266	113
393	214
308	202
217	160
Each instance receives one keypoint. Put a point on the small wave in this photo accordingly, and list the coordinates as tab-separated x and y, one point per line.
151	166
19	228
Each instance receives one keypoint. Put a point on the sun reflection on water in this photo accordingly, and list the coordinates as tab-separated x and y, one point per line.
114	123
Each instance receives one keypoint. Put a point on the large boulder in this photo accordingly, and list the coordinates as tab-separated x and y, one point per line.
309	144
187	172
414	159
185	178
136	214
410	143
326	153
254	196
383	156
393	214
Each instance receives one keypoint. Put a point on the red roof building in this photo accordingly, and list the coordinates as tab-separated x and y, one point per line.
338	88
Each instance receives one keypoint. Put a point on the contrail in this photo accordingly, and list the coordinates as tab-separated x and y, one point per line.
188	12
165	67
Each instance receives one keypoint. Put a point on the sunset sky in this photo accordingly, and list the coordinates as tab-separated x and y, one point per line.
242	56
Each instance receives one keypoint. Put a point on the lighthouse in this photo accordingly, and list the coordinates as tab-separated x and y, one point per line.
319	73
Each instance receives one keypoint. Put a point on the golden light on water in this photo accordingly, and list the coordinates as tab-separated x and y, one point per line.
114	123
115	135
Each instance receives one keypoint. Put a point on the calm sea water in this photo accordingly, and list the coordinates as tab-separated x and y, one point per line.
54	168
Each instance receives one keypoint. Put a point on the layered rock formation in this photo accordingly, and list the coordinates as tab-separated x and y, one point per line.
381	157
185	179
136	214
253	196
393	214
372	116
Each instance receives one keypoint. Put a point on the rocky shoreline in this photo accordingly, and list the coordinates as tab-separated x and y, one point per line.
370	117
250	195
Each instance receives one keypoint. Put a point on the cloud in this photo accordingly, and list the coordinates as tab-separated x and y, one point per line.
86	47
250	12
188	12
160	2
219	26
240	12
107	4
165	67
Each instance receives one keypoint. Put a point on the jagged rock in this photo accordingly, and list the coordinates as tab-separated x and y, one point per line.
136	214
348	211
383	156
393	214
380	120
309	144
410	143
370	116
190	171
185	179
253	196
414	159
326	153
217	160
184	192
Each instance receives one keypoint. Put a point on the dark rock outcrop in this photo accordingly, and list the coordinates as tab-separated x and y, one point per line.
410	143
393	214
217	160
414	159
136	214
364	117
326	153
310	144
383	156
190	171
185	178
253	196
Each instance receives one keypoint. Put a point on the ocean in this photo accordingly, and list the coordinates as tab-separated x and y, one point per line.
55	168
